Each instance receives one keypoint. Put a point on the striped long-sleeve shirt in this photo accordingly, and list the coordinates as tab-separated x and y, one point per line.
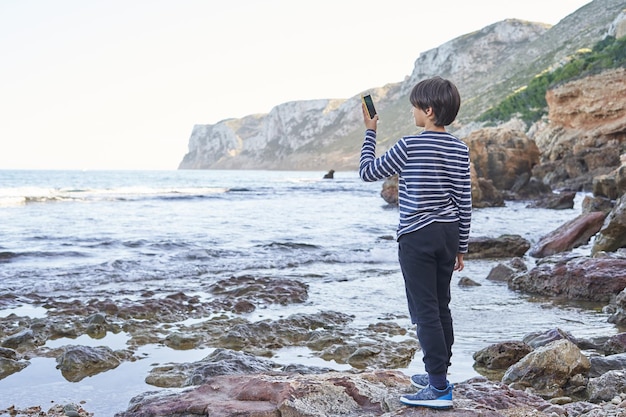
433	179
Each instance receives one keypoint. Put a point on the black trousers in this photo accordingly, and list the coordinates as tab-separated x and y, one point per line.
427	258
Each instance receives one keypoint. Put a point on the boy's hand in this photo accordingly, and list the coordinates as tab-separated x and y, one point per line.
459	264
369	123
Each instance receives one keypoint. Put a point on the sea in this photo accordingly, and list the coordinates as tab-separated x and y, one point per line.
83	235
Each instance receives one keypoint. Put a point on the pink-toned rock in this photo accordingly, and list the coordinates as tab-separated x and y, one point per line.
570	235
575	278
369	394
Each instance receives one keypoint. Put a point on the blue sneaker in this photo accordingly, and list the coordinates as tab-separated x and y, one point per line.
430	397
419	380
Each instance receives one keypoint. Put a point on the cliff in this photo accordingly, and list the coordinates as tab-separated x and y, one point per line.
486	65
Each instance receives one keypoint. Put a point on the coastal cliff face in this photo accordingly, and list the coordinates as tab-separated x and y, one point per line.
586	132
486	65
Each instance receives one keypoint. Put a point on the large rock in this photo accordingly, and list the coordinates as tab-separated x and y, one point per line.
502	355
505	246
484	193
502	155
550	370
619	315
366	394
603	364
612	235
572	234
607	386
574	278
78	362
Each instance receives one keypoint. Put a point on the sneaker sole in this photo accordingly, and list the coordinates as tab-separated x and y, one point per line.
428	403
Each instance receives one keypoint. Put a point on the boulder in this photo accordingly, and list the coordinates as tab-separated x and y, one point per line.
550	370
619	315
505	246
607	386
539	339
574	278
484	193
615	344
603	364
572	234
506	271
78	362
612	234
502	355
590	204
502	155
555	201
389	193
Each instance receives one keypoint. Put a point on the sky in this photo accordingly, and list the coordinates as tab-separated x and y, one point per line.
119	84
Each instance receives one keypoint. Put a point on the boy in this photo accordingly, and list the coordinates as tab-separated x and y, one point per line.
435	206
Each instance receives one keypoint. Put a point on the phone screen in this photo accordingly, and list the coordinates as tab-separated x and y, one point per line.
370	105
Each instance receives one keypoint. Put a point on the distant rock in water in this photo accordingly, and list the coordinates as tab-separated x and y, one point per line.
330	175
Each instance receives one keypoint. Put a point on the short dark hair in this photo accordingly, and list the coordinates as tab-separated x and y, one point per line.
439	94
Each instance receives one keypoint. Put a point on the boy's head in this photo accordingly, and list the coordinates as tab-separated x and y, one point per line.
441	96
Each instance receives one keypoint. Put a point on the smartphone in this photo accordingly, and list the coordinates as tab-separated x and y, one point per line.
369	104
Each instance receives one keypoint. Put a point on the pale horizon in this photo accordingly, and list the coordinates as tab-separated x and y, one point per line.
90	85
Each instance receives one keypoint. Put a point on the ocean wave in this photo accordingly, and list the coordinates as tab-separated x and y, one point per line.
33	195
10	256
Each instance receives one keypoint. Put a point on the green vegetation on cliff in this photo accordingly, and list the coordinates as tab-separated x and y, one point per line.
529	103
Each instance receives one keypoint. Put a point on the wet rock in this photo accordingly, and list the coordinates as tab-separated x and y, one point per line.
10	366
612	235
561	201
502	355
550	371
57	410
367	353
383	353
22	340
505	246
7	353
607	386
182	341
603	364
468	282
615	344
590	204
574	278
79	362
527	187
219	362
264	290
538	339
605	186
504	272
572	234
389	191
619	314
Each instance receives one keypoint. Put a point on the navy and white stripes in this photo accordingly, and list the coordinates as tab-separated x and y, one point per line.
433	179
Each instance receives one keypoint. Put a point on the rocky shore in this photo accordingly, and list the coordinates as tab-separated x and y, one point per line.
550	373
